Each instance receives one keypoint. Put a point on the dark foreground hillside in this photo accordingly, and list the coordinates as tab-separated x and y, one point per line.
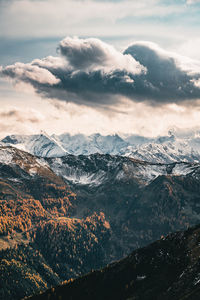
166	269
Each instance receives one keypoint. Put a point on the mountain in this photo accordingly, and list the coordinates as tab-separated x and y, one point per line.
29	191
41	243
163	149
140	200
63	216
95	169
166	269
39	144
54	146
95	143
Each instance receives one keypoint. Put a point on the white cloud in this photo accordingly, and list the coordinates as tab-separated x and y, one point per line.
58	18
30	72
93	54
23	112
58	117
190	48
193	1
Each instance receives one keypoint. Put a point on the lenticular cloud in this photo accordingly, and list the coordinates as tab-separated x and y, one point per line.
91	72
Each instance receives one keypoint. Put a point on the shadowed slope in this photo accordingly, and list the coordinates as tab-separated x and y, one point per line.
166	269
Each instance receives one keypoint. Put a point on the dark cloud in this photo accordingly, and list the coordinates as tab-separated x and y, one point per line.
170	78
94	73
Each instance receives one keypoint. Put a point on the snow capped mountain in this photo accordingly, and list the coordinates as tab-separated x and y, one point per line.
163	149
166	152
56	146
96	143
39	144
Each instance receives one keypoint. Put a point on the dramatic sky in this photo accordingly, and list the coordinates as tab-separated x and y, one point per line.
105	66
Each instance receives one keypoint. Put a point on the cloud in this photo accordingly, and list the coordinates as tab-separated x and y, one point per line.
169	77
57	117
31	73
17	115
16	120
93	73
88	17
93	54
189	48
192	1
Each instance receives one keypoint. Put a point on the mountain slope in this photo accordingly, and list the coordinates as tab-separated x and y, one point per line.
164	151
29	191
37	226
39	144
140	200
55	250
166	269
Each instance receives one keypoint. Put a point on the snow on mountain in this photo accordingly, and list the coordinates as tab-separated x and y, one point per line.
184	169
95	143
163	149
166	152
39	144
56	146
14	157
6	155
97	169
136	139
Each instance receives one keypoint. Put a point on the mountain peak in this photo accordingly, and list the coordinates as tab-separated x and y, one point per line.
162	149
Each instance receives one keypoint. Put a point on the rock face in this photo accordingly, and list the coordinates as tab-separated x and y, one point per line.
166	269
63	216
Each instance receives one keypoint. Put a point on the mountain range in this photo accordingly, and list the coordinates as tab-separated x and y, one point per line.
164	149
63	216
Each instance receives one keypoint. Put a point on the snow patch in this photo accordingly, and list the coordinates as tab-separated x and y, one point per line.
84	179
6	156
182	169
32	171
42	162
142	277
197	279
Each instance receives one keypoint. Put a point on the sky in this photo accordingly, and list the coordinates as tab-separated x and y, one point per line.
87	66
